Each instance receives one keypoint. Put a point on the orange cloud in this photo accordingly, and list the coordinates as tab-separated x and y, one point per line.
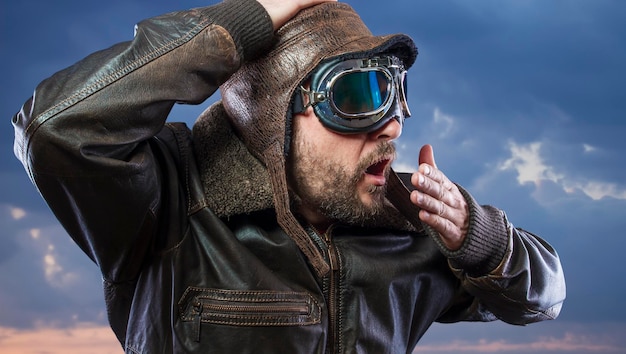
98	339
569	343
84	338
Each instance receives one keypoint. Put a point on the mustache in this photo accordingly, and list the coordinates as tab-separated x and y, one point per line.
384	150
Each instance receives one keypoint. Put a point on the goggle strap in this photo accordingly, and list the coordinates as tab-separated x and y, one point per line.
298	105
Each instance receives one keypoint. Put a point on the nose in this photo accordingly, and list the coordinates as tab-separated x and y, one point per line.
390	130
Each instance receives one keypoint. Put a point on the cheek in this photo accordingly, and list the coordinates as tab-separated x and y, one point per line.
328	145
344	148
348	153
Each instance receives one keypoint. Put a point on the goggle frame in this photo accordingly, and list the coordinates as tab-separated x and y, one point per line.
321	94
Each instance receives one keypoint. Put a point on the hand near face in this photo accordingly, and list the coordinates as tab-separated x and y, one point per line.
281	11
443	207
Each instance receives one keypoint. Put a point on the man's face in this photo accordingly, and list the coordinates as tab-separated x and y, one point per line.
338	177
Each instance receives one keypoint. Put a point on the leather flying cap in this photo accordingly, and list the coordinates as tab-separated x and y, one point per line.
257	98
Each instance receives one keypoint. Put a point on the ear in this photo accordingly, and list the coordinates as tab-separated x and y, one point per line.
309	112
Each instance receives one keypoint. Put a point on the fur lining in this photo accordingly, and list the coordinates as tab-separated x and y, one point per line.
236	182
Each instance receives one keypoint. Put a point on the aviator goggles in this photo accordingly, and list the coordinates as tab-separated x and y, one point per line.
356	95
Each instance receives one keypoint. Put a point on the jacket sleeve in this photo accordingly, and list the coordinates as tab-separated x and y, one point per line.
83	137
509	273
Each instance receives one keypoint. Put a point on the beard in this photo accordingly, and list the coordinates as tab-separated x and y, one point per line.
331	189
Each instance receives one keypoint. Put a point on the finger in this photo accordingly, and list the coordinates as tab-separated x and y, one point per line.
449	207
435	174
432	205
433	182
282	11
440	224
451	235
427	156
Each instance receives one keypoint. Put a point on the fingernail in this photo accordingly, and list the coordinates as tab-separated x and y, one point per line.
421	179
426	170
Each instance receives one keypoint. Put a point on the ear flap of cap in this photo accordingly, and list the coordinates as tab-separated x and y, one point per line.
234	181
258	96
286	219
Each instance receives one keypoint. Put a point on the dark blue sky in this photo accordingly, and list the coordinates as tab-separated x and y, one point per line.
523	102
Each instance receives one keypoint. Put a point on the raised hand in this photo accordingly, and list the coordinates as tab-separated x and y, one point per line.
443	207
281	11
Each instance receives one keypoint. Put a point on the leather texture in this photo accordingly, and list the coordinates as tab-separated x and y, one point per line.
180	279
258	96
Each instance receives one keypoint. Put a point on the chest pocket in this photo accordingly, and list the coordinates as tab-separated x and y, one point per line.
248	307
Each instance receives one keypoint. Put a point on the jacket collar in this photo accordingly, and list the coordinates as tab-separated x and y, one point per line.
234	181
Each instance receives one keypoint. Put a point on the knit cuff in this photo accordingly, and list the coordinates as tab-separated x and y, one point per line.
248	24
486	241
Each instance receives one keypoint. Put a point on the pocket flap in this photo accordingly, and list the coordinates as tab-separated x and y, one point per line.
249	307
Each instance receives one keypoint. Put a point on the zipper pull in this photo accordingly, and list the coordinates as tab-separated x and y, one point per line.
332	257
198	309
332	252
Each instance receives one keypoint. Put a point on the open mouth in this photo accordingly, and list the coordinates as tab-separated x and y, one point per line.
378	168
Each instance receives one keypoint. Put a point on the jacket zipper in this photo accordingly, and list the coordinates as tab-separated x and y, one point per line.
332	292
201	306
289	308
198	308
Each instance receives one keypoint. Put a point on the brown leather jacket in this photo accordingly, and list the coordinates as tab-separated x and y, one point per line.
178	278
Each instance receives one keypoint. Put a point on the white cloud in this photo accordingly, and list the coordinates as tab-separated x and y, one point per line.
526	160
544	337
82	338
17	213
48	247
443	122
531	168
407	156
589	148
568	343
597	190
51	267
55	273
438	131
44	266
35	233
404	167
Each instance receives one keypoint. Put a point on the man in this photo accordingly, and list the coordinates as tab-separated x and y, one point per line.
277	225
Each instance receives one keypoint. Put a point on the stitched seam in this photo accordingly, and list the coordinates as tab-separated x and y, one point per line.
184	159
132	350
254	296
185	155
340	300
261	323
110	78
509	299
225	293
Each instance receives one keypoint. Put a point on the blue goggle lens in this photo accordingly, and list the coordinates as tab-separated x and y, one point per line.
356	95
358	92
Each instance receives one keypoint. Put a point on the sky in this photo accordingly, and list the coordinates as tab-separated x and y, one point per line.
523	102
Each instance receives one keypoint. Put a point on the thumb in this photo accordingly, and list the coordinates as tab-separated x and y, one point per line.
427	156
